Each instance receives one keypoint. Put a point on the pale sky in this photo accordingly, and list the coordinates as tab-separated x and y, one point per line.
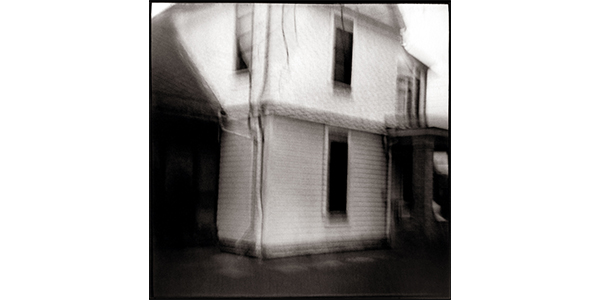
157	8
427	38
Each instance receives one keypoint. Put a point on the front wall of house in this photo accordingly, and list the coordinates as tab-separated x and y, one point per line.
303	74
296	218
300	58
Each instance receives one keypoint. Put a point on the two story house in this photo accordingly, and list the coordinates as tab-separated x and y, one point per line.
322	131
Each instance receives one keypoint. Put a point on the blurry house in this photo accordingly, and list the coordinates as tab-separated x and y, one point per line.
315	116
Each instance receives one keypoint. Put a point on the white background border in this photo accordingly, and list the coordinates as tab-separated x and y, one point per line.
74	159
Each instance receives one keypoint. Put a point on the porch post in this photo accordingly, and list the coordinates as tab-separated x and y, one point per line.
423	147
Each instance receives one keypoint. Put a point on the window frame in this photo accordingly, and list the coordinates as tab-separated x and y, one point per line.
335	218
336	24
412	91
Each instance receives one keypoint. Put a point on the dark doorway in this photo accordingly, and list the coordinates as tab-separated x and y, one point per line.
403	204
184	172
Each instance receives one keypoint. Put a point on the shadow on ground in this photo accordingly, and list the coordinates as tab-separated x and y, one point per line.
208	272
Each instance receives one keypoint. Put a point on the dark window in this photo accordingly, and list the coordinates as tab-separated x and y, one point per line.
409	89
343	51
402	86
240	63
417	88
409	93
338	174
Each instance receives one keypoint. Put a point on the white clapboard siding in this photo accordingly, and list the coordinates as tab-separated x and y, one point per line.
235	181
296	182
367	184
294	178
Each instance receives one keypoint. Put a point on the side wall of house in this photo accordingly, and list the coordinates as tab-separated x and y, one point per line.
234	209
295	211
208	33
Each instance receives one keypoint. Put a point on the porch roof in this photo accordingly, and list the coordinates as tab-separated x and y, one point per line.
439	136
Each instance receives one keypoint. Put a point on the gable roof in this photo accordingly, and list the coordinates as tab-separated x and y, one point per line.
177	85
408	63
388	14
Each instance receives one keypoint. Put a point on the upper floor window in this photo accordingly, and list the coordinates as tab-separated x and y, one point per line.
416	93
409	93
344	29
243	34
